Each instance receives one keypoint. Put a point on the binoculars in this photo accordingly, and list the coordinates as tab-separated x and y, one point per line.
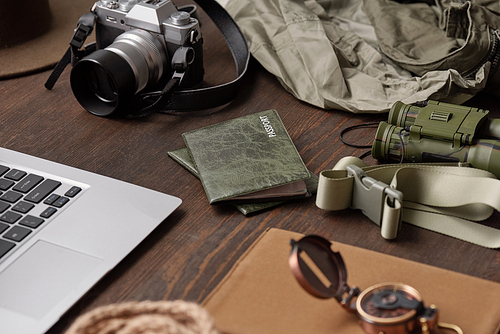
433	131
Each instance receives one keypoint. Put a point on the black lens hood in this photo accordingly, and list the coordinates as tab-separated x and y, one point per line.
103	70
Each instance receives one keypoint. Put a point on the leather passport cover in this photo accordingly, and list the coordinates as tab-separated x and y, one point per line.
183	158
245	155
260	294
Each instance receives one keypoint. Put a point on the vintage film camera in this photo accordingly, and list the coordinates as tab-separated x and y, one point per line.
440	132
384	308
139	46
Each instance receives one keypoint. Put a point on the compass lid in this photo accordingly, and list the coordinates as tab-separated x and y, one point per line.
318	269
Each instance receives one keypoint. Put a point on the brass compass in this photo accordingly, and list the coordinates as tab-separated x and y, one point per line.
386	308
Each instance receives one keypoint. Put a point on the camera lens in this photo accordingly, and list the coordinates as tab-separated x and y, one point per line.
105	81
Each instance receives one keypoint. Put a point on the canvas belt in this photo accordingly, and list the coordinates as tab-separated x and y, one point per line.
441	197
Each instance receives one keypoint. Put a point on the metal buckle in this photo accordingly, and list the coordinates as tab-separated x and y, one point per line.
183	57
369	195
84	28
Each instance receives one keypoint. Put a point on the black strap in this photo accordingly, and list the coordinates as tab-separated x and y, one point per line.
157	100
188	99
151	102
73	54
215	96
56	73
354	127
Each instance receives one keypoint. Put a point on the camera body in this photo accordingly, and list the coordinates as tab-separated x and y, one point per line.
136	41
161	18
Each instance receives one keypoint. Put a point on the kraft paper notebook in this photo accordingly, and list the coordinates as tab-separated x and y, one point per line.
183	158
250	158
260	294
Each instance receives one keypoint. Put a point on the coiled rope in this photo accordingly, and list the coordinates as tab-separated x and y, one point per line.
147	317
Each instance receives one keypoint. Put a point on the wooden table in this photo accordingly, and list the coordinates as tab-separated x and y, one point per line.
189	254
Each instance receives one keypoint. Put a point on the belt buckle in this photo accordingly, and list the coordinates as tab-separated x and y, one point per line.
370	196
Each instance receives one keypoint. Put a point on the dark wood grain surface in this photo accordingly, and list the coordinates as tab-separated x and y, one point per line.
192	250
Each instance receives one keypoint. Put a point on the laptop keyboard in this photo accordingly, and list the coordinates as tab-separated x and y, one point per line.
27	202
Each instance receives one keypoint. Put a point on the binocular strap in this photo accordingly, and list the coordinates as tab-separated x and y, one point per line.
448	198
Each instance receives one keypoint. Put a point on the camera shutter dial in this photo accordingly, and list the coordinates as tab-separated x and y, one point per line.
180	18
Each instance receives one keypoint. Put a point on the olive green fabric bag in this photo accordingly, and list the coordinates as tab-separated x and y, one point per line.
362	56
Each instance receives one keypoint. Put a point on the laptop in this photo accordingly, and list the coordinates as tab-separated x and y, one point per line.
61	230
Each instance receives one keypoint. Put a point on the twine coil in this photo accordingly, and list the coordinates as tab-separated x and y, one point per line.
147	317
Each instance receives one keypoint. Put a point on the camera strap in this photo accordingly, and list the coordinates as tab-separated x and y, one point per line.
216	96
74	53
170	98
442	197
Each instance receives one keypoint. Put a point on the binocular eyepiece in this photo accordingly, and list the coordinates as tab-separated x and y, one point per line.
439	132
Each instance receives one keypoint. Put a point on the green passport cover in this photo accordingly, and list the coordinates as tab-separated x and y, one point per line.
183	158
244	155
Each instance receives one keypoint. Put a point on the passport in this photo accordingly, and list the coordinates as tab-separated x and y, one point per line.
248	159
183	157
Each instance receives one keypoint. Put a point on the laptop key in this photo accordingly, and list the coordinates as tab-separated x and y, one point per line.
23	207
5	246
28	183
3	206
47	213
51	199
11	196
3	227
60	202
73	191
17	233
42	191
6	184
31	221
15	174
3	169
10	217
